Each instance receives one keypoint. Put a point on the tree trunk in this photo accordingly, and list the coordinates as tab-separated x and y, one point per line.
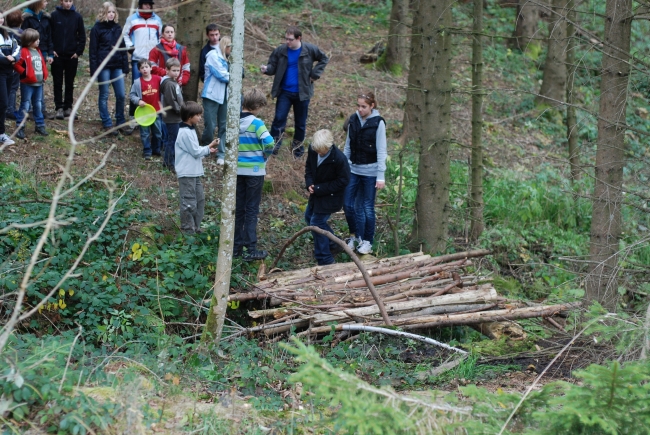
553	88
397	50
217	312
526	27
190	31
124	8
431	52
476	194
571	118
601	284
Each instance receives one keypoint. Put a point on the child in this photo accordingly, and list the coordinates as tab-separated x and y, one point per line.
9	50
327	174
365	147
33	73
69	41
167	49
146	90
189	167
255	147
172	98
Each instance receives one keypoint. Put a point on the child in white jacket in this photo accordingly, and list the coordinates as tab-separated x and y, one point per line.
189	167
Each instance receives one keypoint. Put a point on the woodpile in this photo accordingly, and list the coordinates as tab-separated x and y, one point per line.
417	291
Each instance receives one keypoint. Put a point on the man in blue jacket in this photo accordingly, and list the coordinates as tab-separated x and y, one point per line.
292	64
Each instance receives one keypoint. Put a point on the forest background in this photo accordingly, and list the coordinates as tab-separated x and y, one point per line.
112	346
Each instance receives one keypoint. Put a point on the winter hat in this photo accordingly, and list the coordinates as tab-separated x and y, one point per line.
141	2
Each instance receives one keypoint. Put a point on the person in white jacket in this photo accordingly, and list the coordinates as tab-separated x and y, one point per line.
189	167
214	95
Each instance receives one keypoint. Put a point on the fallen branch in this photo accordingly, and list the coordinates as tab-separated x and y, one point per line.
396	333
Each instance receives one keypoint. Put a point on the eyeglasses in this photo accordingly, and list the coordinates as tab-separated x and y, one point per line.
365	97
289	39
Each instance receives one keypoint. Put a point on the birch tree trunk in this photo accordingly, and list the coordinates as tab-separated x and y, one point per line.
476	194
555	73
190	31
397	49
601	283
217	312
432	70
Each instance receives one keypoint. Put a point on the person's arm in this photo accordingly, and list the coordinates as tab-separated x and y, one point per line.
81	35
309	178
92	51
382	153
178	101
319	56
202	64
339	183
216	68
346	148
184	78
155	59
126	32
271	66
265	139
19	66
193	148
49	45
124	57
134	95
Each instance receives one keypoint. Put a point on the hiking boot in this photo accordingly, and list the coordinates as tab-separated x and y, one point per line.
59	114
48	115
6	140
365	247
255	255
40	129
21	133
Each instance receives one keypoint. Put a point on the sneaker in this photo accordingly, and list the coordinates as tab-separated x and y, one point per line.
6	140
147	157
40	129
255	255
48	115
220	162
21	133
352	242
365	247
59	114
68	112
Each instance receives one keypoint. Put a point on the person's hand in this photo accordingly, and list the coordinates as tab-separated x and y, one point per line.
11	59
141	103
55	55
311	189
213	150
380	184
74	56
50	60
263	69
214	144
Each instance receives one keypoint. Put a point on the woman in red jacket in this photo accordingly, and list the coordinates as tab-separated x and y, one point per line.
167	48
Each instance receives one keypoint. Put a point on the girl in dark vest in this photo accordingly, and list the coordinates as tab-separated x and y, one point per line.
9	50
365	148
167	48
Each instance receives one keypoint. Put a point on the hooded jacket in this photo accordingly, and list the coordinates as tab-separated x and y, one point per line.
103	37
40	22
329	179
255	146
68	32
142	34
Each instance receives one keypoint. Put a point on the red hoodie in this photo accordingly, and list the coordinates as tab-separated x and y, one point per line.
26	69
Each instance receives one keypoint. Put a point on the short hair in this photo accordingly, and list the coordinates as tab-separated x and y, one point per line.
224	43
102	15
293	30
190	109
142	62
164	27
211	28
254	99
172	62
369	98
14	19
28	37
322	141
38	6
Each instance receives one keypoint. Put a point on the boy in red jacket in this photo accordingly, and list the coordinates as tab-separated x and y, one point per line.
33	72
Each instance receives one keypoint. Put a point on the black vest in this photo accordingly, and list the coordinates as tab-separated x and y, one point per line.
363	140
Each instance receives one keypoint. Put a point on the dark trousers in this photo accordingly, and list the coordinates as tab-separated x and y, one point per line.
64	69
6	78
169	159
13	91
322	243
284	103
249	196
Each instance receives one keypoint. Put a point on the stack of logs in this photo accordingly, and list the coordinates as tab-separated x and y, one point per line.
417	290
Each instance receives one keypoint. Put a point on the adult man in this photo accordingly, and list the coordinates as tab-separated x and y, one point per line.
292	64
212	32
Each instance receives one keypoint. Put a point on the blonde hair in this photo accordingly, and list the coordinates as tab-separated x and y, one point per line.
224	43
102	15
322	141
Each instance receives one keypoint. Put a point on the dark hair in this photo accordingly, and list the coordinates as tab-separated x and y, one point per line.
143	62
190	109
254	99
293	30
14	19
171	62
211	28
165	26
28	37
141	2
369	98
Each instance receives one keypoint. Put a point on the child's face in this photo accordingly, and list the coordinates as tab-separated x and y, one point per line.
66	4
145	70
213	37
364	108
194	120
174	72
2	20
110	15
35	44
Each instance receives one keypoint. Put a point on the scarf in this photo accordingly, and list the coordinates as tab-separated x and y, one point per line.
145	15
170	47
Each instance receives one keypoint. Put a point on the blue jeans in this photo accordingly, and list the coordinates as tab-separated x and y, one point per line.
247	207
170	151
322	244
150	146
215	114
31	97
106	78
361	219
285	101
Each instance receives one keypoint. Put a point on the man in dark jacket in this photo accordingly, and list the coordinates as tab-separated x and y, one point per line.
212	32
292	64
69	41
327	174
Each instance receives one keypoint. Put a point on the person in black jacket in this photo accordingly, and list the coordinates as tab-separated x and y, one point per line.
14	20
9	50
105	35
212	32
35	17
327	174
69	41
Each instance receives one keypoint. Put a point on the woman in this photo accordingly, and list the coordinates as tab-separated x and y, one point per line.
167	48
9	49
365	147
104	35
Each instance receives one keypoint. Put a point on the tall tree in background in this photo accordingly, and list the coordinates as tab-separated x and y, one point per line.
431	68
192	19
476	191
123	8
414	91
601	284
553	86
526	26
571	118
397	49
